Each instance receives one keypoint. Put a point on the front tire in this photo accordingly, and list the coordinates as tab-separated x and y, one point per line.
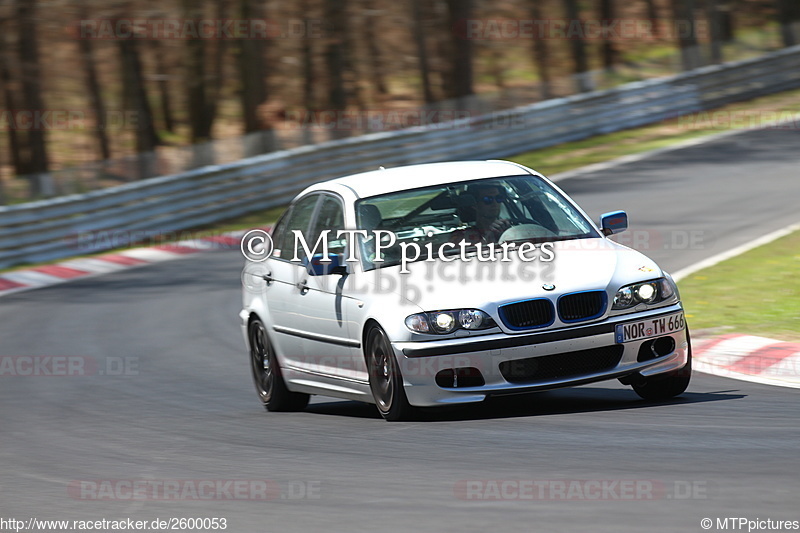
385	379
666	386
267	377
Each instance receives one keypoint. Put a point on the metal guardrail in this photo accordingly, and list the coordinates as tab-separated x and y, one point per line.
52	229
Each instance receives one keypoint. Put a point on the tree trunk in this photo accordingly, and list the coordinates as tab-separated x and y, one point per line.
196	76
373	50
95	94
461	49
146	136
422	51
335	60
577	46
16	143
685	28
164	98
496	67
609	51
308	62
715	27
789	19
655	19
31	86
218	77
350	63
252	71
440	52
309	94
540	53
725	20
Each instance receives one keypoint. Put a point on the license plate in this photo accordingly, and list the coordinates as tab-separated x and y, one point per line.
650	327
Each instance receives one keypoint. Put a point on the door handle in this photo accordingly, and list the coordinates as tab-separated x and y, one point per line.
303	287
268	278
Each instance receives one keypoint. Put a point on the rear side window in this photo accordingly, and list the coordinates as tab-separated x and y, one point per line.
298	218
331	217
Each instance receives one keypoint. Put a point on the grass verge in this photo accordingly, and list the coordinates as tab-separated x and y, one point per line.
755	293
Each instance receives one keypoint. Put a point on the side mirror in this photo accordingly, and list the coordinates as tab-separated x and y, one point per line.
317	267
613	222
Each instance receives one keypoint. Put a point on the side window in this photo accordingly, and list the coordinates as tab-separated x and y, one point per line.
331	216
298	219
279	231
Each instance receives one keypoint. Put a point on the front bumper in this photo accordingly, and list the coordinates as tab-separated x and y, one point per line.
421	362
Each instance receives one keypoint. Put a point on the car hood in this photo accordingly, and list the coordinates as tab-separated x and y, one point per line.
585	264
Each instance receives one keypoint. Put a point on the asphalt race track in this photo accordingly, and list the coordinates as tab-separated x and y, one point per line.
168	398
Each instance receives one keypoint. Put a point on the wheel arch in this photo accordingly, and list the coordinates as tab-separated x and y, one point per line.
252	316
368	325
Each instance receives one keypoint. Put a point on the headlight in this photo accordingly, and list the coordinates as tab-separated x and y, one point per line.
648	292
667	287
418	323
623	298
444	322
473	319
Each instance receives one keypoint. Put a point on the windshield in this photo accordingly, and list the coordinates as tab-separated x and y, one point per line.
509	209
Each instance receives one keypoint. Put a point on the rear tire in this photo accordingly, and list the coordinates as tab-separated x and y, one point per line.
385	379
669	385
267	377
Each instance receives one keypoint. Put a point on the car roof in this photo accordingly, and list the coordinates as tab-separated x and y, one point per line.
382	181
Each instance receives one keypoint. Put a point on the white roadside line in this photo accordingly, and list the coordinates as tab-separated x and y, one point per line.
624	160
733	252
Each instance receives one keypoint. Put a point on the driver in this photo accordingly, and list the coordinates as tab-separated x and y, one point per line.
488	226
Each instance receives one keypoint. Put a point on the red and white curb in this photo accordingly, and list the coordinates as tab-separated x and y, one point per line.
749	358
81	268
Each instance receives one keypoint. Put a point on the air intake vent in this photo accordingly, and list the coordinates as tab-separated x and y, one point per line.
529	314
581	306
562	366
